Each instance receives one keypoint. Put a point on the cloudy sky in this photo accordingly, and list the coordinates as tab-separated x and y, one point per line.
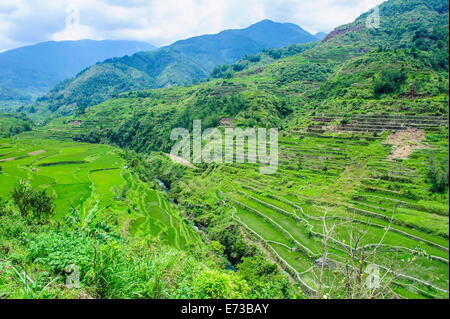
160	22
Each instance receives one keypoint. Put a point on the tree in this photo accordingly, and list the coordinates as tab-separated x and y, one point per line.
31	203
21	196
389	81
362	271
42	205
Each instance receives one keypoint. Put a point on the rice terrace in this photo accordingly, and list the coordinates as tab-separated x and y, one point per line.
357	207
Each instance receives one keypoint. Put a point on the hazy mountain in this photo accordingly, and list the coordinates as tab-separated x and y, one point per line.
33	70
321	35
181	63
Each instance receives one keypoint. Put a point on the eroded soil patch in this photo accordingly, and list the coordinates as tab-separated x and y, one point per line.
405	142
37	152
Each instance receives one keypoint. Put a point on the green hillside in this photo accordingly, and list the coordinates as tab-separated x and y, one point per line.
349	73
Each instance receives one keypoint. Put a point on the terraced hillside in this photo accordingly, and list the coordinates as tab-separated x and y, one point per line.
84	176
376	123
380	206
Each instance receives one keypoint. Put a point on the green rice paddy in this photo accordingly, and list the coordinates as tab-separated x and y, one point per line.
76	173
348	180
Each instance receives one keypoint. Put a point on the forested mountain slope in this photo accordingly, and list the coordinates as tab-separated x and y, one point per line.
31	71
181	63
397	68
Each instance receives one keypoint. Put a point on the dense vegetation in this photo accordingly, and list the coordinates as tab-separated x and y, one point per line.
11	124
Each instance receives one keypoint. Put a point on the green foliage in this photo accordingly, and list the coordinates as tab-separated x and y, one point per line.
438	175
228	234
116	276
389	81
255	63
31	203
222	71
164	169
313	72
12	124
89	221
56	250
253	58
264	278
348	175
135	271
218	247
17	282
150	130
220	285
156	166
14	225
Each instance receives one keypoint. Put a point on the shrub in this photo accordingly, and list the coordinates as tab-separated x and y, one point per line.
238	67
389	81
438	175
57	250
264	278
217	285
13	226
2	206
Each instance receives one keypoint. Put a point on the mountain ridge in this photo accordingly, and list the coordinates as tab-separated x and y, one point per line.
182	63
33	70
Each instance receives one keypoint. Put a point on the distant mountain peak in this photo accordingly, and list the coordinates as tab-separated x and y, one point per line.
321	35
268	22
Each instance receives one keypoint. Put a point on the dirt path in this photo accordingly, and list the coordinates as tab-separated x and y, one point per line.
180	160
29	154
37	152
405	142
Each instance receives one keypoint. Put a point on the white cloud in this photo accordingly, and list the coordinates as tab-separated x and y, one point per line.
162	22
